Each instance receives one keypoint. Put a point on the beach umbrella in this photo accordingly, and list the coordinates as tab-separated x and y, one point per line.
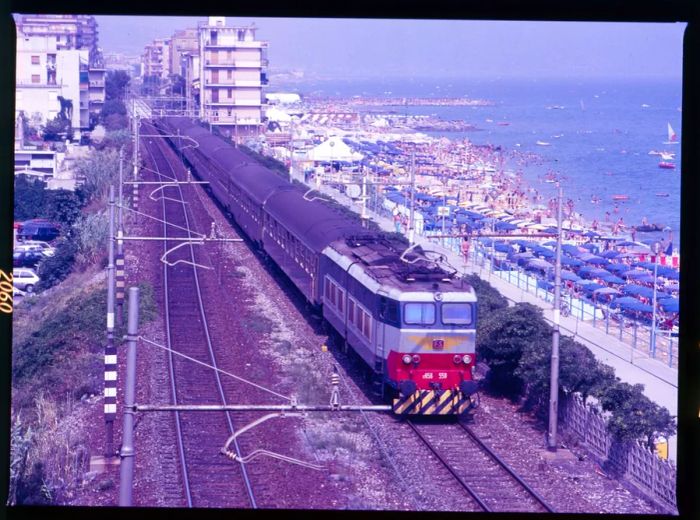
646	279
544	284
519	256
591	233
645	265
591	287
544	252
625	300
604	291
640	290
596	260
634	274
503	248
637	307
591	247
669	304
591	272
573	262
610	254
504	226
569	276
672	286
550	243
611	278
628	243
486	241
617	268
537	263
571	250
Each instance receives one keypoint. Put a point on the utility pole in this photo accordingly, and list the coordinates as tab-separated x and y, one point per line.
554	374
411	222
127	452
110	392
120	244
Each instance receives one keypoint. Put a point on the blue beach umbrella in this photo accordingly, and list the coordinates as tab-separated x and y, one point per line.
625	300
669	304
611	278
591	272
646	279
550	243
637	307
571	250
610	254
544	252
537	263
569	276
591	233
605	291
617	268
596	260
591	287
634	274
591	247
640	290
503	248
573	262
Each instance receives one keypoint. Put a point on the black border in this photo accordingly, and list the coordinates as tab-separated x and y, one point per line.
561	10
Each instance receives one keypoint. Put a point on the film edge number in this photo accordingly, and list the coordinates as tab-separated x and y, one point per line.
5	292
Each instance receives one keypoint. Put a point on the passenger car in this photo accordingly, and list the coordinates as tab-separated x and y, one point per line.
24	279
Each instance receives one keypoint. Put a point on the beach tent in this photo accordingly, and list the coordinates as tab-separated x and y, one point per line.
333	149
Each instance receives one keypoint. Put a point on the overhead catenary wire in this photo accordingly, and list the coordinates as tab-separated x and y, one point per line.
224	372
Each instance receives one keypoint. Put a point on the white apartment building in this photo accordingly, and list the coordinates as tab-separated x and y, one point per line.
46	74
231	77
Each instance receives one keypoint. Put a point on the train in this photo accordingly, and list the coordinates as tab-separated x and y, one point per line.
411	320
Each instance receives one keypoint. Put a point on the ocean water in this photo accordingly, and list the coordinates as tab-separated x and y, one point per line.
599	140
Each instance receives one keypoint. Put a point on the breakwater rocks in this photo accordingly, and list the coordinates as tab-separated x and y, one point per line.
439	125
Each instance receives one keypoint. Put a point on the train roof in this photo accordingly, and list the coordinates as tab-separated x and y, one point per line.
317	223
379	258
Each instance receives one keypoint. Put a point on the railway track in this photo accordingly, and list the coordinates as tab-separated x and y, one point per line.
208	479
487	480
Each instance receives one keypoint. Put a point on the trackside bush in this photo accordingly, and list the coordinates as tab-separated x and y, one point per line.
516	343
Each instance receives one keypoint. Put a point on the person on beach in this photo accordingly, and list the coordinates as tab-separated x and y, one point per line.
465	249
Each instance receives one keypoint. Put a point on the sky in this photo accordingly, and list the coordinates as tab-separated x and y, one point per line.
445	48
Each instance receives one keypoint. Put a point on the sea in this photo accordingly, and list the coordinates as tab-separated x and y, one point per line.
600	133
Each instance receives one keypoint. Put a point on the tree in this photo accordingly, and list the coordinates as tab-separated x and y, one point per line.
54	269
57	129
91	233
99	170
62	206
113	106
29	197
116	122
177	85
115	84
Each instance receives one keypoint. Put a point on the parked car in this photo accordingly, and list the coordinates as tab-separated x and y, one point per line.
27	258
17	292
37	245
24	279
38	229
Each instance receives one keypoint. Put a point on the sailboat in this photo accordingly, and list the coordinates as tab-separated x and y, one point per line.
672	137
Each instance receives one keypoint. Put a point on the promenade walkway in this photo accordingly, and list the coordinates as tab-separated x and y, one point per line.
633	366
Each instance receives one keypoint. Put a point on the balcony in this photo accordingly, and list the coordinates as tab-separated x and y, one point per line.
97	84
235	44
237	64
234	84
234	103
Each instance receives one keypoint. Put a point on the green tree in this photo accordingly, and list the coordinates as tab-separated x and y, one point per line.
91	233
62	206
57	130
54	269
113	106
116	122
99	169
29	197
116	83
502	339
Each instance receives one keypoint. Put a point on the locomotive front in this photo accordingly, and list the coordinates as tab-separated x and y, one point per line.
432	359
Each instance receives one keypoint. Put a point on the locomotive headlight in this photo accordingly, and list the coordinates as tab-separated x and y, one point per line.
406	359
467	359
416	358
457	359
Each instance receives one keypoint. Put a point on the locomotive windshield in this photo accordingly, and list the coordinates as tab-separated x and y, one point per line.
457	313
419	313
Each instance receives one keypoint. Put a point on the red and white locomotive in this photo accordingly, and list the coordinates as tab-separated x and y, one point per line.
412	322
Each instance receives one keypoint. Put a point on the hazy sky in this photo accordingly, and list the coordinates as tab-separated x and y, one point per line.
440	48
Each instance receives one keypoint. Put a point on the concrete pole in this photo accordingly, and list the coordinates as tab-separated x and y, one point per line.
126	470
364	199
411	221
110	361
554	374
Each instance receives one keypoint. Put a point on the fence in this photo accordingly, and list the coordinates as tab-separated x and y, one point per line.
632	461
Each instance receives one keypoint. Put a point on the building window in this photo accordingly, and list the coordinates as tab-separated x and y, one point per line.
36	78
229	74
230	93
35	60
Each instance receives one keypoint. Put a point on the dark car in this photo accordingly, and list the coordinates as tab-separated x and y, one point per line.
26	258
43	230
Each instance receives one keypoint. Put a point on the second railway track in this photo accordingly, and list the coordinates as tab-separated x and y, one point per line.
490	483
208	479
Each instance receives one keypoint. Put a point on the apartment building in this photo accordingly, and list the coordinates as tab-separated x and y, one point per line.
156	58
60	69
232	65
182	43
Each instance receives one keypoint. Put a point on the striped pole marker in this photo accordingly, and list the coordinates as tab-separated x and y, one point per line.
136	196
120	278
